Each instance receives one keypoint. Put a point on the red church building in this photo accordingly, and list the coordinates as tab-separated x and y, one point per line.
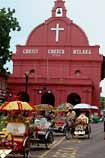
57	64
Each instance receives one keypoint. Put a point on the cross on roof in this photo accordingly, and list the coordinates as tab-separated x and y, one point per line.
57	29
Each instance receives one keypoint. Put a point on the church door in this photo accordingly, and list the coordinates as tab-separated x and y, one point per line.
73	98
48	98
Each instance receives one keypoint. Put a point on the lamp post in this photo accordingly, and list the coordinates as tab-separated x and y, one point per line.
27	74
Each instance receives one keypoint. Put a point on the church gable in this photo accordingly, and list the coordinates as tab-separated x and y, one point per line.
57	31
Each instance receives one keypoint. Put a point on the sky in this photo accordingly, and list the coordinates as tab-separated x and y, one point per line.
88	14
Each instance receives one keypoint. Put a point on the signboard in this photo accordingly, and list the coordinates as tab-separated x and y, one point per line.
81	51
30	51
56	51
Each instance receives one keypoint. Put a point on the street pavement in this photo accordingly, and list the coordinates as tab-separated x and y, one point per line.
75	147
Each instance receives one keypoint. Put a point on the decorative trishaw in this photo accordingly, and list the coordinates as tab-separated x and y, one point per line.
41	131
58	122
82	126
15	137
82	123
77	126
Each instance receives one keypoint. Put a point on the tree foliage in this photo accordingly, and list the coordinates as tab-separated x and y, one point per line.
102	102
8	23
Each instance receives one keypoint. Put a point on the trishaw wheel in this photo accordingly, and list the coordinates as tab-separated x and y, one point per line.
67	133
27	149
89	136
89	131
49	140
26	154
64	131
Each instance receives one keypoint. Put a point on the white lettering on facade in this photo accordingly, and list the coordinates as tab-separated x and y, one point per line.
30	51
56	51
83	51
57	29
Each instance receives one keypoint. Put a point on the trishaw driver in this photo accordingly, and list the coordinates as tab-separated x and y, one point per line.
70	116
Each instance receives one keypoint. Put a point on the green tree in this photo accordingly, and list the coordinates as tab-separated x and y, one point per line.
8	23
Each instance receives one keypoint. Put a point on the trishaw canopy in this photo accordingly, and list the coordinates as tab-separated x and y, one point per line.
16	106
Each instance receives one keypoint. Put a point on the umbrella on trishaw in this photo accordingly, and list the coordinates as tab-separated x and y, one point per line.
64	107
44	107
17	111
85	106
93	107
16	106
82	106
